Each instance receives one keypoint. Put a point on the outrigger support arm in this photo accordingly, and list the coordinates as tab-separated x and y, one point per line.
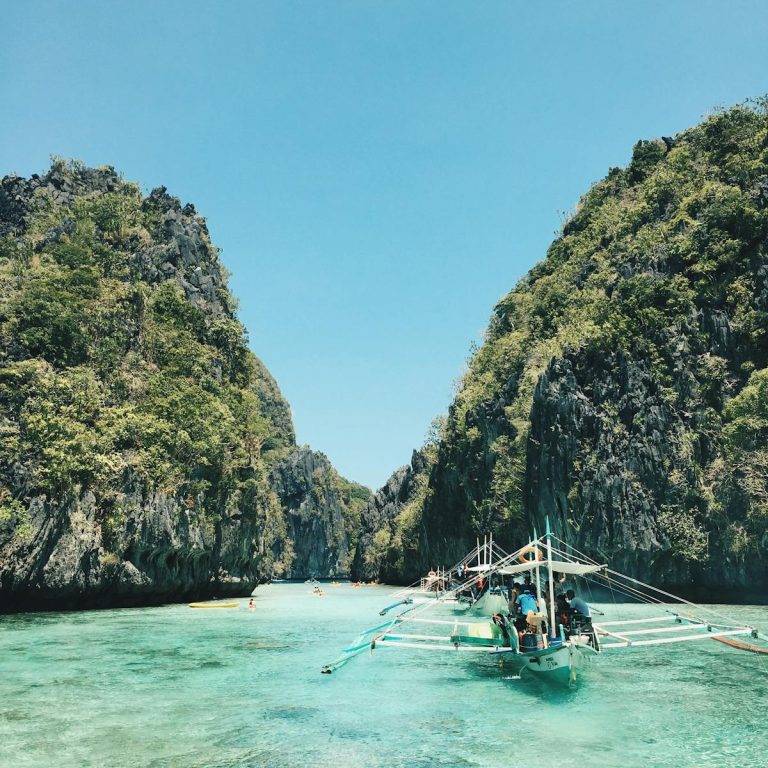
406	601
364	640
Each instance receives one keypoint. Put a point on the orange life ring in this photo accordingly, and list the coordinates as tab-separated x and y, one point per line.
525	551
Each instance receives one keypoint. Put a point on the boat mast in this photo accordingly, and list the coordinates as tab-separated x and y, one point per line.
551	582
490	557
538	581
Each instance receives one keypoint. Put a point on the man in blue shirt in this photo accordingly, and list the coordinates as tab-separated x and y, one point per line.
526	602
577	604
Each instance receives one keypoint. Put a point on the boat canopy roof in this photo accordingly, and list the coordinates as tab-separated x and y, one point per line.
558	566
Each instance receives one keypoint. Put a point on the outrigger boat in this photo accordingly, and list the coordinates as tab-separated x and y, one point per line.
488	596
482	596
552	651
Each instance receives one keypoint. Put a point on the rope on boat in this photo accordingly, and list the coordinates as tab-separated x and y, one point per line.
724	633
650	599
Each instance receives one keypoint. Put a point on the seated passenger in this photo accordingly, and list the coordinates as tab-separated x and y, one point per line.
535	621
581	615
535	627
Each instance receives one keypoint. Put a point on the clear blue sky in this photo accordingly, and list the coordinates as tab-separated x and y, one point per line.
377	174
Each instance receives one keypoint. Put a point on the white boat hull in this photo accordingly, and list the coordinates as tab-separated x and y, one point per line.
558	666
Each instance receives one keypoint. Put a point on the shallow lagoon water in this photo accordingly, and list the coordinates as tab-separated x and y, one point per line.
173	686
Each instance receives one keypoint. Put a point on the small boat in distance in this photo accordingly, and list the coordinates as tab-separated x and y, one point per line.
550	640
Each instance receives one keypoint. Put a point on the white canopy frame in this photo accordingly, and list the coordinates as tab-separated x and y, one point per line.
558	566
482	553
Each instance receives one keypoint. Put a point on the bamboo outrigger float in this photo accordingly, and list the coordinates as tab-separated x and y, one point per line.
558	653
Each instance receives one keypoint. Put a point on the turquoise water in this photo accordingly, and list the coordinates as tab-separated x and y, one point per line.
172	686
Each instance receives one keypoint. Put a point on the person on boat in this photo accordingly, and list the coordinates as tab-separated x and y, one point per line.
529	586
562	612
512	593
578	604
526	602
515	610
562	583
580	614
536	622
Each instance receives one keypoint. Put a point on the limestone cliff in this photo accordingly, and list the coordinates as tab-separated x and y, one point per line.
621	386
322	514
143	448
386	548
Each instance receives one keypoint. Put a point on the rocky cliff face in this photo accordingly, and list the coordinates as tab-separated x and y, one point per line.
382	551
634	478
620	388
145	453
322	514
164	552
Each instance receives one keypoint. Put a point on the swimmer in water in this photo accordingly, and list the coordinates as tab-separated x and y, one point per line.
251	605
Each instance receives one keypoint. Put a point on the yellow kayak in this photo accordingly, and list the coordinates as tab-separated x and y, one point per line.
214	605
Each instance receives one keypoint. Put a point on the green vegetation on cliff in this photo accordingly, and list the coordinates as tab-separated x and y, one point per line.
108	374
621	385
128	395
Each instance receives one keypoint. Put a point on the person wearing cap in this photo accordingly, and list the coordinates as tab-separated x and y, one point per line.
526	602
529	585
